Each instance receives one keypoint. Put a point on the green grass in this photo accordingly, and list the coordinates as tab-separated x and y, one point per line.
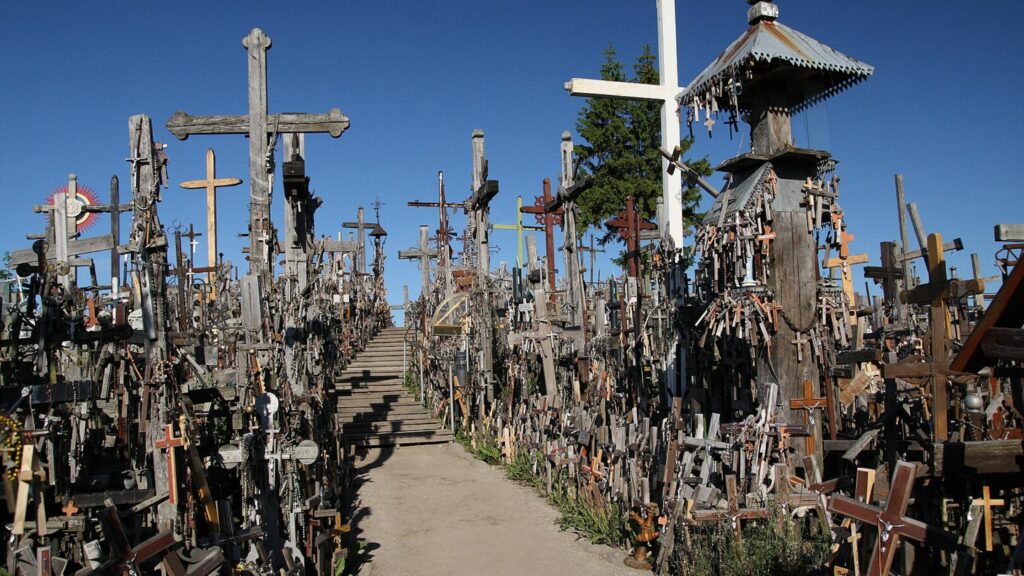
775	545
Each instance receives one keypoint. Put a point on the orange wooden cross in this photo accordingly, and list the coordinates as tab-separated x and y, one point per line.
987	503
169	442
810	404
211	184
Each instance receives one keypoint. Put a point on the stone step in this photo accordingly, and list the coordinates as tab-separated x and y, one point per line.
390	427
368	375
400	438
391	398
349	413
371	362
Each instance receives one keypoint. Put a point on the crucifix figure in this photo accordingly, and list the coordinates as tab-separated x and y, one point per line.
891	521
262	133
665	93
549	220
810	404
211	184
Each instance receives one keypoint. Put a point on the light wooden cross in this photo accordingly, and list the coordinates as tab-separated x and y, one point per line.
844	262
891	521
665	93
518	227
987	502
169	442
211	184
799	341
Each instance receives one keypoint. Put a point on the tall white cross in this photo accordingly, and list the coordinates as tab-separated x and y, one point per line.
668	73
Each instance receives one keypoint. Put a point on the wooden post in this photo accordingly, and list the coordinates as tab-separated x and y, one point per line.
939	321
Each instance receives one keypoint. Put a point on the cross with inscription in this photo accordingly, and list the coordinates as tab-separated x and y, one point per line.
891	521
262	131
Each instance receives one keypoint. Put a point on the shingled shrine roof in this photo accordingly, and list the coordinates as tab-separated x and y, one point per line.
770	42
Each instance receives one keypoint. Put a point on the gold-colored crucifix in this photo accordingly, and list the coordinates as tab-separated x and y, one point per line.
211	184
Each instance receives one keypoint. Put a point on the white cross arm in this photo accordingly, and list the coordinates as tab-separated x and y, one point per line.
628	90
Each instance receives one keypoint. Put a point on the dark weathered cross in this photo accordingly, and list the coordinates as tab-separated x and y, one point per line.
262	132
891	522
549	219
629	226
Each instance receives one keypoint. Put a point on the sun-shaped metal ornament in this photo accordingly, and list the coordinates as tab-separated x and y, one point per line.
76	206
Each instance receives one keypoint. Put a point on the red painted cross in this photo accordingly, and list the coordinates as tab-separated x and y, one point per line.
169	442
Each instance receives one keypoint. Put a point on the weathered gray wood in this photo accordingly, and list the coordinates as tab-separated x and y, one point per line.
182	125
75	248
1009	232
953	459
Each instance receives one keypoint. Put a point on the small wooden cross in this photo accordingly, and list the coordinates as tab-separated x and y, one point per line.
211	184
70	509
987	503
891	522
799	341
169	442
810	404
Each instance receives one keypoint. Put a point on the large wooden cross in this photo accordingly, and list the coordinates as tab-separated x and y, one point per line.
262	132
423	253
891	521
549	220
211	184
665	93
987	502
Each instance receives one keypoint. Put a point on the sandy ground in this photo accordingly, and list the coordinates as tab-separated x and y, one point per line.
436	511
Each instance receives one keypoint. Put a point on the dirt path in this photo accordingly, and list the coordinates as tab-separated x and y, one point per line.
436	511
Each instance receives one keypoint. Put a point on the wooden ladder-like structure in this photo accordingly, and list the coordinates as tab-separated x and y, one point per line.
374	408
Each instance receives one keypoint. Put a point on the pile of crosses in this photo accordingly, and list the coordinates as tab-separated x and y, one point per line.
181	417
764	385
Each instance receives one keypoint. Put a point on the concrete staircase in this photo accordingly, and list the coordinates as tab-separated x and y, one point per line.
374	408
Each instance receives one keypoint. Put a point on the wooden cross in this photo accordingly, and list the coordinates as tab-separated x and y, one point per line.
69	509
211	184
169	442
423	253
665	93
934	294
549	220
844	262
124	559
518	227
734	513
810	404
799	346
443	237
629	225
360	225
891	522
987	503
262	131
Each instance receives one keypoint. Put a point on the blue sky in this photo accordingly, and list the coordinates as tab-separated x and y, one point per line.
417	77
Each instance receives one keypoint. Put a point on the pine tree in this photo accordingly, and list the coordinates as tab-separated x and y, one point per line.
621	149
